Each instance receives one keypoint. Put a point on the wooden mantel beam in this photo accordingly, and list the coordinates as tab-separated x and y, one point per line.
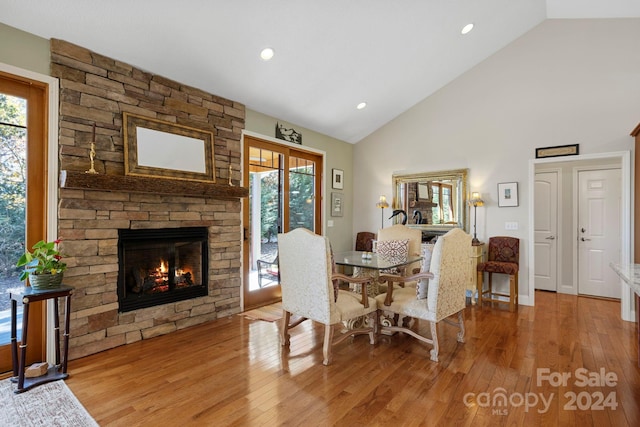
138	184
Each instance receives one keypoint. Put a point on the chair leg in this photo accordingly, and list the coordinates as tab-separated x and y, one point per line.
461	325
479	286
284	328
434	338
513	288
490	285
326	347
517	291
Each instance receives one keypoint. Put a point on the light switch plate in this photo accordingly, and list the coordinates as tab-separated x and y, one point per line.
511	225
330	223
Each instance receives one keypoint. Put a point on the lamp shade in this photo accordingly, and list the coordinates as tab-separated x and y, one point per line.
383	202
476	200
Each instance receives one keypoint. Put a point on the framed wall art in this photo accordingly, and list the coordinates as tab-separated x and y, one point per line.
507	194
336	204
338	179
160	149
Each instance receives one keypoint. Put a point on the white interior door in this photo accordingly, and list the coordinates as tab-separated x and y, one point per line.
599	202
546	231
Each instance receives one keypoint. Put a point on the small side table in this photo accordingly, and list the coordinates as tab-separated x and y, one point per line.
26	296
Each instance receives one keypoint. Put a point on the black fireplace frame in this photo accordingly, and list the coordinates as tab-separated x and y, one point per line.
133	302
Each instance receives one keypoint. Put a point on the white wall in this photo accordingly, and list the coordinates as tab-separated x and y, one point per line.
564	82
24	50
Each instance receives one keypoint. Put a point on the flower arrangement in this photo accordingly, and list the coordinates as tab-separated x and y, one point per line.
45	259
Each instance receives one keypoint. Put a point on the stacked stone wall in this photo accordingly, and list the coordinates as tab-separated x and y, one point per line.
96	90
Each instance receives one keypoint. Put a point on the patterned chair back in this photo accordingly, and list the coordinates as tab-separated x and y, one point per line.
305	275
504	249
402	232
364	241
450	267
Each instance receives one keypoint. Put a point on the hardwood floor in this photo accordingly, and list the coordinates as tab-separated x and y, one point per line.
232	372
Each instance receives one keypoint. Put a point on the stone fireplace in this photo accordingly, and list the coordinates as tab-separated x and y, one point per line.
95	210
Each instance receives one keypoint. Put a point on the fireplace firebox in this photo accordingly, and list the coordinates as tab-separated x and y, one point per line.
160	266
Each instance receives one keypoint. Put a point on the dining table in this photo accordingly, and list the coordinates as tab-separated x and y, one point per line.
372	264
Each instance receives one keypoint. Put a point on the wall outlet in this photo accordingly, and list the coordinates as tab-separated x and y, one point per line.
330	223
510	225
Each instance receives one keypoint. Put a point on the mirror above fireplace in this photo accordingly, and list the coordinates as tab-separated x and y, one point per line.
162	149
434	202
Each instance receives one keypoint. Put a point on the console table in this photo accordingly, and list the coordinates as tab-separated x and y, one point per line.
26	296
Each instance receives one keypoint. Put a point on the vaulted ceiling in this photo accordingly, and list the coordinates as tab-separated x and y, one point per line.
330	55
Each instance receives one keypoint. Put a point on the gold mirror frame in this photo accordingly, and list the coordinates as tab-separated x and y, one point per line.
160	149
400	198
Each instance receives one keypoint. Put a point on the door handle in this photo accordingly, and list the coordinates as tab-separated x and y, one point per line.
245	233
550	238
585	240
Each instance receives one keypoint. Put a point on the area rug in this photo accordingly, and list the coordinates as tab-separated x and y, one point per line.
270	313
50	404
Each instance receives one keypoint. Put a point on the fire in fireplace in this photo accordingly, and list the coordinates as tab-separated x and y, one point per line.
159	266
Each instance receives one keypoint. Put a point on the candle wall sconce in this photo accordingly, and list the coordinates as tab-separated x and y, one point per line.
92	152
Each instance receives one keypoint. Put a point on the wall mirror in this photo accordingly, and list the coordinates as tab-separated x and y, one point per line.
435	202
162	149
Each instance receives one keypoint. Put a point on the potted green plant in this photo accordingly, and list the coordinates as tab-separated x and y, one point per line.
43	266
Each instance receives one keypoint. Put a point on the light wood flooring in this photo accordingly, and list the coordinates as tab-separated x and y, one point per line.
232	372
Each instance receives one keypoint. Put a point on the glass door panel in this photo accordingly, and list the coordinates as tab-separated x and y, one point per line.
266	212
13	139
301	193
23	183
282	185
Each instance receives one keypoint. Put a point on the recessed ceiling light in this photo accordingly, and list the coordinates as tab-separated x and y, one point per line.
267	53
361	105
466	29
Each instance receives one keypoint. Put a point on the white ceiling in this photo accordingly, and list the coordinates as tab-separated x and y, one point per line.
330	54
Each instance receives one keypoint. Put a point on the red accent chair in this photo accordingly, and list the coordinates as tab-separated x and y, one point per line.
503	258
364	241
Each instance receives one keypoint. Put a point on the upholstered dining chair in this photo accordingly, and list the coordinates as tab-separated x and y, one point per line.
364	241
398	233
446	294
503	258
307	290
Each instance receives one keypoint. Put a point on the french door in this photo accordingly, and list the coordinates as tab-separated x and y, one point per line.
23	154
284	193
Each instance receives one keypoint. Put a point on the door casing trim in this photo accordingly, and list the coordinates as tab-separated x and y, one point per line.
52	175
